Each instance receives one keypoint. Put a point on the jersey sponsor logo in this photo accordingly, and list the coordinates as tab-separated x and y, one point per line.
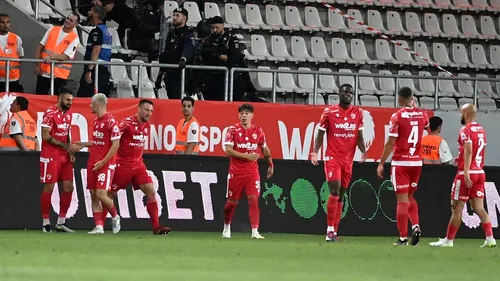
248	145
141	138
346	126
98	134
63	126
411	114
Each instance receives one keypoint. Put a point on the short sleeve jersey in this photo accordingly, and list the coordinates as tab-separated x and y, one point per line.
105	131
244	141
59	123
476	135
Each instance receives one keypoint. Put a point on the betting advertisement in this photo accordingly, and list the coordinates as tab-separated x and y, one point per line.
191	196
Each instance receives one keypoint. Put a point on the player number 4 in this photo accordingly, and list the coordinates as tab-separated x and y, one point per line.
101	177
413	138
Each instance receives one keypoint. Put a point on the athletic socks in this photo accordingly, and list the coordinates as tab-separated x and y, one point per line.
331	208
229	212
45	206
254	212
402	218
152	207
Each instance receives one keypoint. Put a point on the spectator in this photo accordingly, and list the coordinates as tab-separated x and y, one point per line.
58	44
98	49
179	49
11	46
20	131
146	18
116	10
187	138
435	149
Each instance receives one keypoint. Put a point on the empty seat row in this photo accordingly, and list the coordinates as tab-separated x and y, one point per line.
125	82
316	50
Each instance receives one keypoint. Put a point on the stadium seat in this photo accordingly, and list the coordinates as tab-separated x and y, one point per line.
403	56
432	26
263	80
319	51
194	13
495	55
233	17
465	87
258	48
469	27
384	3
294	20
478	57
313	19
299	49
445	4
339	52
386	85
387	101
358	52
286	82
327	82
211	10
460	56
413	24
254	17
447	104
162	93
375	20
123	83
482	5
147	87
26	6
306	81
425	4
464	101
45	12
441	56
116	46
484	86
395	25
486	103
407	82
169	7
404	3
426	86
426	103
445	87
320	100
464	5
279	49
421	48
367	84
488	27
353	25
333	99
346	79
450	26
497	86
367	100
383	51
337	22
495	4
273	18
63	6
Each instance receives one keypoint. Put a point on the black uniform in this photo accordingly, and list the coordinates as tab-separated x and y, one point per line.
179	49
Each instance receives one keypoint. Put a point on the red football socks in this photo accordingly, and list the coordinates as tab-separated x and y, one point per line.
99	219
152	208
45	204
413	211
113	212
64	202
402	218
229	211
452	231
338	215
254	212
331	208
488	231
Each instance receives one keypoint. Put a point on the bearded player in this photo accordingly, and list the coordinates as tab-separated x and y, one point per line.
56	159
405	137
130	167
343	126
241	143
101	163
469	181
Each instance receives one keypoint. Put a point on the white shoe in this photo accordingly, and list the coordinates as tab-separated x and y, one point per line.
489	243
442	243
97	230
226	233
63	228
256	235
115	222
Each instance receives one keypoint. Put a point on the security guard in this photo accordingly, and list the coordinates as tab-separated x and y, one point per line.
220	48
20	133
179	49
435	149
187	138
11	46
98	48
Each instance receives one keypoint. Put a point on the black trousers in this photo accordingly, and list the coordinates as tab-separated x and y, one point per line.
87	90
43	85
172	81
214	87
14	86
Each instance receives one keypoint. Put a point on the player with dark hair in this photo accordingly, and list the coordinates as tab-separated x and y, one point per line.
130	167
343	126
241	143
470	179
435	149
56	159
405	137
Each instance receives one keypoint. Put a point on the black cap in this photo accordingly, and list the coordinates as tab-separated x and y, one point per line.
182	11
216	20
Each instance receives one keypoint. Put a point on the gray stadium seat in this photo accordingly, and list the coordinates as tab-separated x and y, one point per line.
320	100
495	55
327	82
460	56
375	20
234	19
469	27
445	87
358	52
286	82
387	101
464	101
383	51
273	17
263	80
258	47
346	79
387	86
313	19
465	88
421	48
368	100
464	5
123	83
407	82
367	84
333	99
306	81
426	86
447	104
337	22
486	103
403	56
340	54
485	86
279	49
426	102
293	19
395	25
26	6
445	4
319	51
299	49
162	93
254	17
450	26
432	26
495	4
413	24
169	7
353	25
482	5
441	56
478	56
488	27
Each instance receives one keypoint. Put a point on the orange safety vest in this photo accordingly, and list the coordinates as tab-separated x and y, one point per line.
28	129
182	134
60	70
430	149
10	52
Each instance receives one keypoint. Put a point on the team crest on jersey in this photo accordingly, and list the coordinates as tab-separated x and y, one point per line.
254	136
353	115
102	125
146	130
136	128
240	134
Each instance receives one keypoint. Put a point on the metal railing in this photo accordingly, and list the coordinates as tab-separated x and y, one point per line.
132	64
47	3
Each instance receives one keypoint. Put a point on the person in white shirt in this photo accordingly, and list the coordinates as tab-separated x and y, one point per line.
435	149
58	44
14	85
187	138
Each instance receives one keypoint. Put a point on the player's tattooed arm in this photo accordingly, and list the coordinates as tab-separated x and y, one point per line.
48	138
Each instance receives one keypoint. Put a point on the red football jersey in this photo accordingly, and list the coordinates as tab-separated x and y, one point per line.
475	134
59	123
105	131
407	126
244	141
342	128
133	136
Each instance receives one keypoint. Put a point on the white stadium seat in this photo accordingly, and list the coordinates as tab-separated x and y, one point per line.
279	49
169	7
367	100
460	57
26	6
123	83
147	87
445	87
294	20
447	104
211	10
312	19
273	17
299	49
387	85
254	17
194	13
327	82
319	51
426	86
233	17
258	47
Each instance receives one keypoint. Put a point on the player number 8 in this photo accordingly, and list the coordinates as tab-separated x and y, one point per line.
101	177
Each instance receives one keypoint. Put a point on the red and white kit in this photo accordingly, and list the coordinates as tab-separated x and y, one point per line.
129	163
476	135
407	126
55	164
244	174
342	128
105	131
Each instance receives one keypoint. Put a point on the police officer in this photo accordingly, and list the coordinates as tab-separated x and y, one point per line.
179	50
98	49
220	48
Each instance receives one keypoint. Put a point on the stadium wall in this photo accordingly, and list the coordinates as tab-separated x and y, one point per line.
191	194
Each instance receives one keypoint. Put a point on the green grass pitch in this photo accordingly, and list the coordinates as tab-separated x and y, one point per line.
191	256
